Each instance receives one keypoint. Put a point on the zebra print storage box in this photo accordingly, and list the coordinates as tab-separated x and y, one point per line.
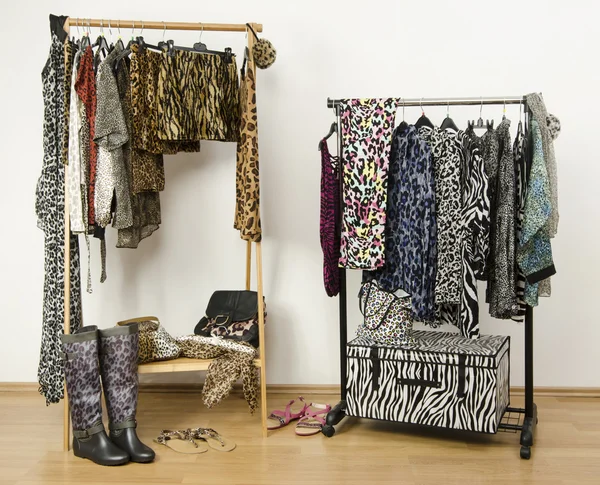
444	380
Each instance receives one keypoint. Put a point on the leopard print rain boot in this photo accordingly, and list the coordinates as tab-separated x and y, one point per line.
118	366
82	374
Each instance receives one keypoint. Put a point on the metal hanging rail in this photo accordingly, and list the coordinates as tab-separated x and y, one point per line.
528	422
472	101
153	24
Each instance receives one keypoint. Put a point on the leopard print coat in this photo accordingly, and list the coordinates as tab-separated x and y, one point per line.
247	206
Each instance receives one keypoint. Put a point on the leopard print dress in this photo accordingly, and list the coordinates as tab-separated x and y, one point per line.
247	182
49	207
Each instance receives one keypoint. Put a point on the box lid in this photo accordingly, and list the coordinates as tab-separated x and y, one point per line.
437	347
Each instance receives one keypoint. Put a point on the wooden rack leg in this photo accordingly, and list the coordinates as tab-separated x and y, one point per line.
67	323
261	340
248	263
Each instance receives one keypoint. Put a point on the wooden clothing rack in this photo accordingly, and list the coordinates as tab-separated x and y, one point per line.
180	364
515	419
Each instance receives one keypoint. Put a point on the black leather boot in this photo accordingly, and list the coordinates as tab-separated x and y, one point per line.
118	366
82	374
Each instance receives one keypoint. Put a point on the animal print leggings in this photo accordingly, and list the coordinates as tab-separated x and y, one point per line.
367	126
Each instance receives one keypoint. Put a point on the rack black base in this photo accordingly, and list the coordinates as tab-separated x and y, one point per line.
527	427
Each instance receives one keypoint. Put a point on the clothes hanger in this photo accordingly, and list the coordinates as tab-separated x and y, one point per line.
479	124
199	47
403	124
127	50
423	120
163	43
101	40
142	43
119	43
332	129
448	122
85	40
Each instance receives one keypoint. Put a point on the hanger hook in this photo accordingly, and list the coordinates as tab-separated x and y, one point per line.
89	27
481	107
421	105
142	31
101	26
132	29
77	25
119	28
448	110
403	106
164	30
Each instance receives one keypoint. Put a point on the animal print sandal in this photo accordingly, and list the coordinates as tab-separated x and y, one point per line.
182	441
313	420
214	439
278	419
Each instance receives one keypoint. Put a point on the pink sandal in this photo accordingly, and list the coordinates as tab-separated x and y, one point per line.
313	420
278	419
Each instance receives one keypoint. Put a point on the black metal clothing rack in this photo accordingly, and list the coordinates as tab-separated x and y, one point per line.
526	418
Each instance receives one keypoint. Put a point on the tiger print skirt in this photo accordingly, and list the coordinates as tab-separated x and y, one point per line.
144	71
197	97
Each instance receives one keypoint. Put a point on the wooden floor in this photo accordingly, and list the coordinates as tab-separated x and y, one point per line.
363	452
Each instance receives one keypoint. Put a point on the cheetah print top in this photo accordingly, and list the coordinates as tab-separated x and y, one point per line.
110	135
86	89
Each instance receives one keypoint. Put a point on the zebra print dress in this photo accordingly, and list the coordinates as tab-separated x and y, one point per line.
474	221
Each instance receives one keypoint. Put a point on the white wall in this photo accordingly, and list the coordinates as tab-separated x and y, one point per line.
337	49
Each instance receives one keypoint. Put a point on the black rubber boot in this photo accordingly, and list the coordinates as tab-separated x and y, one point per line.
118	366
82	374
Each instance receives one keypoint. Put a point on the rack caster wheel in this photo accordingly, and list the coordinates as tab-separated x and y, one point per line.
328	431
525	452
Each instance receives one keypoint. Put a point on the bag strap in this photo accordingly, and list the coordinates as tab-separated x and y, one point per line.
387	311
138	319
362	306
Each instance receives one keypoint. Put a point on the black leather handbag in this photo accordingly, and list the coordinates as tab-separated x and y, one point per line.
231	314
